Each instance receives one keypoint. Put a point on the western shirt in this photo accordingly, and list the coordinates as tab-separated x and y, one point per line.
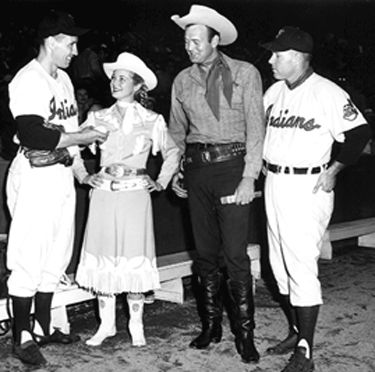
191	119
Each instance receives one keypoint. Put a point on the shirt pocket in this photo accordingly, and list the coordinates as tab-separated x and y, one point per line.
191	100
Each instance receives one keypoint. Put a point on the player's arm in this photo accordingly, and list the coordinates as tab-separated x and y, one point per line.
85	136
355	141
33	133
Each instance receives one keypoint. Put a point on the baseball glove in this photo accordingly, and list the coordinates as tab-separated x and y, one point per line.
44	158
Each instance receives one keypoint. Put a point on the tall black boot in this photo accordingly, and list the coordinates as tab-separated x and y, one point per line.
212	310
288	344
241	294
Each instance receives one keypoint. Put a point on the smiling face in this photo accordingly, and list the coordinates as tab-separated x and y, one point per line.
64	49
197	45
122	85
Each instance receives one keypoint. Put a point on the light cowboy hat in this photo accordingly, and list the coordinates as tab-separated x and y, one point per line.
203	15
130	62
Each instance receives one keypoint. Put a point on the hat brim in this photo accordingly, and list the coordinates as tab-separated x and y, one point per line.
143	71
275	47
76	31
208	17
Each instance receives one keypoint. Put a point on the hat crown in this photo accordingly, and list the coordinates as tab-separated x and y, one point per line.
291	38
57	22
130	62
295	38
200	14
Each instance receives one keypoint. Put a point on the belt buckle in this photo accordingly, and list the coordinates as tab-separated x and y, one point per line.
131	173
206	156
115	170
112	186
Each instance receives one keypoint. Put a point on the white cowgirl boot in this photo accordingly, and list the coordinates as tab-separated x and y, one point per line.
107	313
136	302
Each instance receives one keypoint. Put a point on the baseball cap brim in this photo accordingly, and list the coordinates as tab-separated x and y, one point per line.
275	47
75	31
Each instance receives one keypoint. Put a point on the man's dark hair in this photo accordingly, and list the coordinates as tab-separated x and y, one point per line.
211	32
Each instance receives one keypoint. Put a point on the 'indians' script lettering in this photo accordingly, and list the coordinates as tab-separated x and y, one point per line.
62	111
286	121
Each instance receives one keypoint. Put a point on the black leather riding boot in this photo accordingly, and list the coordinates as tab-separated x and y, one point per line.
241	294
211	312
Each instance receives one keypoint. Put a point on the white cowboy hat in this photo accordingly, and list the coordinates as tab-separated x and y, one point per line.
200	14
130	62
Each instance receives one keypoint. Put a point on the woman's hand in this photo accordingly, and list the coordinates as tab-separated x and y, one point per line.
94	180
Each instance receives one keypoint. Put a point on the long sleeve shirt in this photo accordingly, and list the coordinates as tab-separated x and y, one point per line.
191	119
133	136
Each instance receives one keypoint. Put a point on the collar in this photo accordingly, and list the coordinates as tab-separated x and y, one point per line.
200	75
301	79
218	60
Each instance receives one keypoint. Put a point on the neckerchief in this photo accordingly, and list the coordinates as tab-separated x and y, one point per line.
218	68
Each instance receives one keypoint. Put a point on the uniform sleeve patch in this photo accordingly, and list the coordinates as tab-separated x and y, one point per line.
350	111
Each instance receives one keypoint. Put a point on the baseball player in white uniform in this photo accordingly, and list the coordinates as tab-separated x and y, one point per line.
305	114
41	195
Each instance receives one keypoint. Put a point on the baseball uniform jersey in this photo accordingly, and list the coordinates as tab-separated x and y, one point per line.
41	200
302	125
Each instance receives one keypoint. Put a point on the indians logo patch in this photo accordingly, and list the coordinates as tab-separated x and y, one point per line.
350	111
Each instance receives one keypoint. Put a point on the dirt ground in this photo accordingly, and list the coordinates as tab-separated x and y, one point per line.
344	340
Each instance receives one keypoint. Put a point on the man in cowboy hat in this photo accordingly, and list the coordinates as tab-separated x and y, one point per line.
40	192
217	121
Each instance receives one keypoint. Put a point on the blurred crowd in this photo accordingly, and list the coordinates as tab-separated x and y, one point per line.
340	59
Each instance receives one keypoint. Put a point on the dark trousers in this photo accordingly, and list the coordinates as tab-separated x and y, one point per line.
220	231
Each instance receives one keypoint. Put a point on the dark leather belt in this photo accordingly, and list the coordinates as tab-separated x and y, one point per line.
274	168
198	154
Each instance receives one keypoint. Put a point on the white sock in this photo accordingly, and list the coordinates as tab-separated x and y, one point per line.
303	343
26	336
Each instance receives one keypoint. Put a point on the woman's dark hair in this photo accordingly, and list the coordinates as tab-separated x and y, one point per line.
141	94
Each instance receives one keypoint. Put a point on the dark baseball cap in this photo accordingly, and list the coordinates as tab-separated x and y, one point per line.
57	22
290	38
